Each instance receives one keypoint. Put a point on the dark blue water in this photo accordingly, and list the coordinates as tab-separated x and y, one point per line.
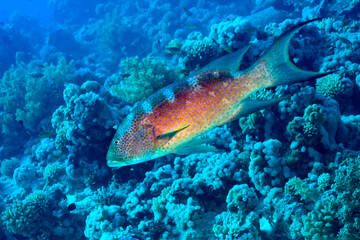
285	167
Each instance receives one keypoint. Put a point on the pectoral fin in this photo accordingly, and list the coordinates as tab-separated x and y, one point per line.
171	134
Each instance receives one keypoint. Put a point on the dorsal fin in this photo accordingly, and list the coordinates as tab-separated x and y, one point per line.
211	76
228	63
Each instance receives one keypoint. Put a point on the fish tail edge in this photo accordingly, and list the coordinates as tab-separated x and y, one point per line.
276	62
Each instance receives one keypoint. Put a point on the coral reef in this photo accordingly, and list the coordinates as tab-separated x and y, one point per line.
290	171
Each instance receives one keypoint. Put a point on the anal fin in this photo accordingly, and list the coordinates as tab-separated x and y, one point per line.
251	105
195	146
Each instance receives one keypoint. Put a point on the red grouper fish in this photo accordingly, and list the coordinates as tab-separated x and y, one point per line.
172	119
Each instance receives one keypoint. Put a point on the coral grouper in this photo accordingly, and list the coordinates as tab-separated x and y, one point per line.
171	120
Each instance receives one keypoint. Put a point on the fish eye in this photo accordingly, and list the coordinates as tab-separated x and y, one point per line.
117	142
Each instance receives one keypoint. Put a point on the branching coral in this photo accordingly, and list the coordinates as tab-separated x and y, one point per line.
316	129
13	89
335	86
173	47
61	73
199	50
347	186
252	123
108	30
53	173
267	168
350	134
12	98
183	214
27	95
320	223
141	78
36	98
30	217
102	220
212	170
231	33
298	187
84	116
240	221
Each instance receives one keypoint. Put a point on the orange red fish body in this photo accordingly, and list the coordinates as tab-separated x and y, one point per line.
171	120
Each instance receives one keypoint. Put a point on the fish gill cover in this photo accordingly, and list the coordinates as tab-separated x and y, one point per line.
71	71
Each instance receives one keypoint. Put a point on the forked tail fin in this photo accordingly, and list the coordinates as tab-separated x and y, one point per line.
275	67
